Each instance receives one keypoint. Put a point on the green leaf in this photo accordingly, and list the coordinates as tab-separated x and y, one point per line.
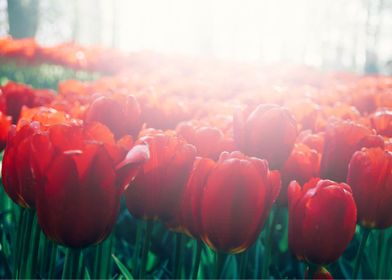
124	270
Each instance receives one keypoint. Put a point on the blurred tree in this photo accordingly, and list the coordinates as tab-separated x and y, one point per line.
22	17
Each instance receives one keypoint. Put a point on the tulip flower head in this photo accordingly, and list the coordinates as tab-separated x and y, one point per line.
81	173
322	220
370	177
268	132
157	189
227	202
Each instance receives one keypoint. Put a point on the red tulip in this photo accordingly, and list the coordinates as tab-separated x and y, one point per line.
120	113
156	191
370	177
16	170
342	139
227	202
17	174
81	173
209	141
322	219
382	122
14	96
302	165
269	132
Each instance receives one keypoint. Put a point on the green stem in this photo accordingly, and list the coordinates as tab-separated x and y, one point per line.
97	261
71	264
268	244
219	262
44	256
106	258
196	264
178	256
26	242
18	243
243	264
146	248
52	262
387	267
380	243
360	252
31	268
137	247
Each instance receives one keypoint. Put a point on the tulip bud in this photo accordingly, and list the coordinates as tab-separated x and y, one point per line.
342	139
227	202
269	132
370	177
81	173
121	114
156	191
322	220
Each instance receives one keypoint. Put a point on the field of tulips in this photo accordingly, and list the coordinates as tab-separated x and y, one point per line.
157	166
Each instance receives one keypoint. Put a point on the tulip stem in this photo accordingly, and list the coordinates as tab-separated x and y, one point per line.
19	236
136	252
219	262
196	264
146	248
243	265
268	245
178	256
71	264
26	242
360	252
52	262
380	243
44	256
31	268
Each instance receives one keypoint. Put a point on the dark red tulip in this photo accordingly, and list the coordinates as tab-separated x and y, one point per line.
370	177
81	173
227	202
269	132
322	220
157	189
302	165
341	140
120	113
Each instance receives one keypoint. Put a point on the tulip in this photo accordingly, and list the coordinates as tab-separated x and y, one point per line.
341	140
382	122
14	96
16	170
269	132
370	178
322	219
302	165
227	202
82	172
209	141
156	191
121	114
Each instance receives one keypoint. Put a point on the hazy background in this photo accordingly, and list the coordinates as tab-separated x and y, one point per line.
351	35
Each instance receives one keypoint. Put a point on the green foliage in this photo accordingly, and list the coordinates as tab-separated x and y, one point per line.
40	76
